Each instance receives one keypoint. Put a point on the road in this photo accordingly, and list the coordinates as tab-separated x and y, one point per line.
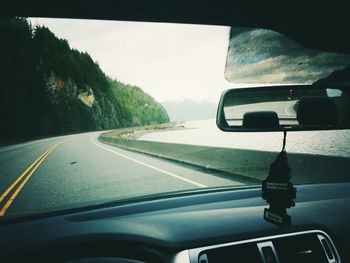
282	108
78	170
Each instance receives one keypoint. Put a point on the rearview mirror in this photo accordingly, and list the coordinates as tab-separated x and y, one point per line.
284	108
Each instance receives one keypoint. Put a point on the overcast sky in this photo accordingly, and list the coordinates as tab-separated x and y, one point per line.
168	61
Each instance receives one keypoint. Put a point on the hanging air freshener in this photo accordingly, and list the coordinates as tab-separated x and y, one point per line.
278	190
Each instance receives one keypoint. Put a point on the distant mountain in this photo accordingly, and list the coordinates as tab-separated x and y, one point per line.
47	88
188	110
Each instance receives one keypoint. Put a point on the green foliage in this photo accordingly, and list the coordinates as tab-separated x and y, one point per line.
41	79
21	83
138	107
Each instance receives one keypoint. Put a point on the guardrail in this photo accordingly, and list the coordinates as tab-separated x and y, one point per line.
306	168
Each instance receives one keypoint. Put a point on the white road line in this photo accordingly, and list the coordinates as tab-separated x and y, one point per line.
289	108
8	148
16	146
149	166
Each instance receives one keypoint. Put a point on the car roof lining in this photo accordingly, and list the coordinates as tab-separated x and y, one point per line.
314	24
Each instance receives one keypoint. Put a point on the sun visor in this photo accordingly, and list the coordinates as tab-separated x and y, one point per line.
260	56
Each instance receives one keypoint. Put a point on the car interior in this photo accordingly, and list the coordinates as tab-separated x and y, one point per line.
279	221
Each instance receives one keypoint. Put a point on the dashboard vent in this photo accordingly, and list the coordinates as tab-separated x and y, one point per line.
301	247
268	252
248	252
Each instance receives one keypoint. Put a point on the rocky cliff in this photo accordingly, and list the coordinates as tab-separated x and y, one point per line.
48	88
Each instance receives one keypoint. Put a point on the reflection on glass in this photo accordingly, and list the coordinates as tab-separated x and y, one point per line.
293	105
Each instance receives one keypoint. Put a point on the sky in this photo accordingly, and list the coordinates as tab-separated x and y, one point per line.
168	61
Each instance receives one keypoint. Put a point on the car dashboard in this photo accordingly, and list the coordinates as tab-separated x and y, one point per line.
214	225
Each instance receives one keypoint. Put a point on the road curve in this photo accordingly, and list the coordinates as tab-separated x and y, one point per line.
78	170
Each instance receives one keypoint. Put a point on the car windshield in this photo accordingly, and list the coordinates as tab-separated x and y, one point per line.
105	111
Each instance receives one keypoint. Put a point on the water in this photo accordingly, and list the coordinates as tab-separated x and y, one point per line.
205	132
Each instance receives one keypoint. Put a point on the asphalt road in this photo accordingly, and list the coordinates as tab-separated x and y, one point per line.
77	170
283	108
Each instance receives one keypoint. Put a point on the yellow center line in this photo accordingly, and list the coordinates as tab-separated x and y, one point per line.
22	175
35	164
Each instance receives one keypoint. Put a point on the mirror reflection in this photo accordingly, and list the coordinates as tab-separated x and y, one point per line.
287	107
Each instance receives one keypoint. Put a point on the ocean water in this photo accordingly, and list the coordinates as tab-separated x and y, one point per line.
205	132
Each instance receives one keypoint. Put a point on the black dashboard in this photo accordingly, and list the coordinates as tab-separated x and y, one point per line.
204	226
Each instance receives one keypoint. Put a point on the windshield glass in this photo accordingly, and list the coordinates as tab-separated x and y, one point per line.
265	56
100	111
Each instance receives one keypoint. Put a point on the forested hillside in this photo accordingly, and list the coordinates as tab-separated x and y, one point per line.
47	88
